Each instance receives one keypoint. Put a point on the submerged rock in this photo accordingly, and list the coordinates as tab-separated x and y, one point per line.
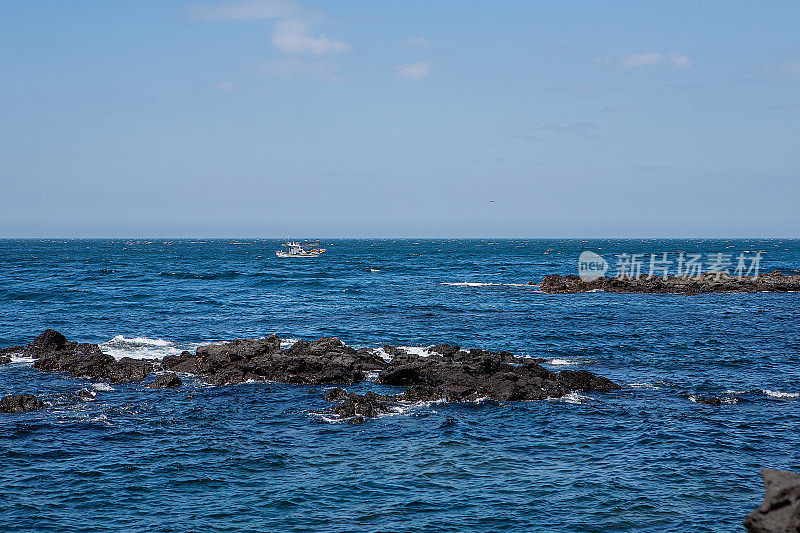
780	511
356	408
17	403
165	381
712	400
774	281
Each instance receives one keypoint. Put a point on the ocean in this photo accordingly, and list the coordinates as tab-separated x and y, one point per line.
264	457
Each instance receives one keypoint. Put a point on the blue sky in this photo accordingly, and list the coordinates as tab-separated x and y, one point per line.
271	117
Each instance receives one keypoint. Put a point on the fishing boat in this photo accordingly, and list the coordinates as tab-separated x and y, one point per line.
295	249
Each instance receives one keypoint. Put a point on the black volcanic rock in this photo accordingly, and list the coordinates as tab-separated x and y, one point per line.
774	281
54	353
88	361
356	408
17	403
447	372
780	511
465	376
707	400
165	381
324	361
48	342
4	360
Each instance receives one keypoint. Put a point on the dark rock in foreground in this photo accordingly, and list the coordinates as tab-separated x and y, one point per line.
165	381
447	373
780	512
324	361
4	360
54	353
709	282
17	403
457	375
356	408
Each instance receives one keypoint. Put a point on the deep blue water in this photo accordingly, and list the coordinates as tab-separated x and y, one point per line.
259	457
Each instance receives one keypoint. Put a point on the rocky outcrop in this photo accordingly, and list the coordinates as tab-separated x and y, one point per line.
4	360
54	353
780	511
165	381
457	375
324	361
17	403
48	342
774	281
447	372
356	408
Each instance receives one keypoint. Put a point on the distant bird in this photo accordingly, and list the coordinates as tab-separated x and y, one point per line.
491	201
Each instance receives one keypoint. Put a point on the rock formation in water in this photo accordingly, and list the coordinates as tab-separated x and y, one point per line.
167	380
324	361
780	511
774	281
17	403
54	353
457	375
446	373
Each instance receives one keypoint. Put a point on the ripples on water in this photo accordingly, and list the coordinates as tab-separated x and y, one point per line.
258	456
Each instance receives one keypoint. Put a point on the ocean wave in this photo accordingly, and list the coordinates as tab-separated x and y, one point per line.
572	397
562	362
650	386
139	347
767	392
779	394
102	387
478	284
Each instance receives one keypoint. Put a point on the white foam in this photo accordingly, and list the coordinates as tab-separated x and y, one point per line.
140	347
104	387
422	351
562	362
287	343
572	397
21	359
643	386
779	394
374	269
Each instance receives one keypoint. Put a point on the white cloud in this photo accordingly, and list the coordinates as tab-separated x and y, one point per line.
648	59
244	10
679	60
416	42
298	67
292	36
414	71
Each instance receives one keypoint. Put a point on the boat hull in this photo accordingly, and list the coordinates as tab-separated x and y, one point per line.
304	254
